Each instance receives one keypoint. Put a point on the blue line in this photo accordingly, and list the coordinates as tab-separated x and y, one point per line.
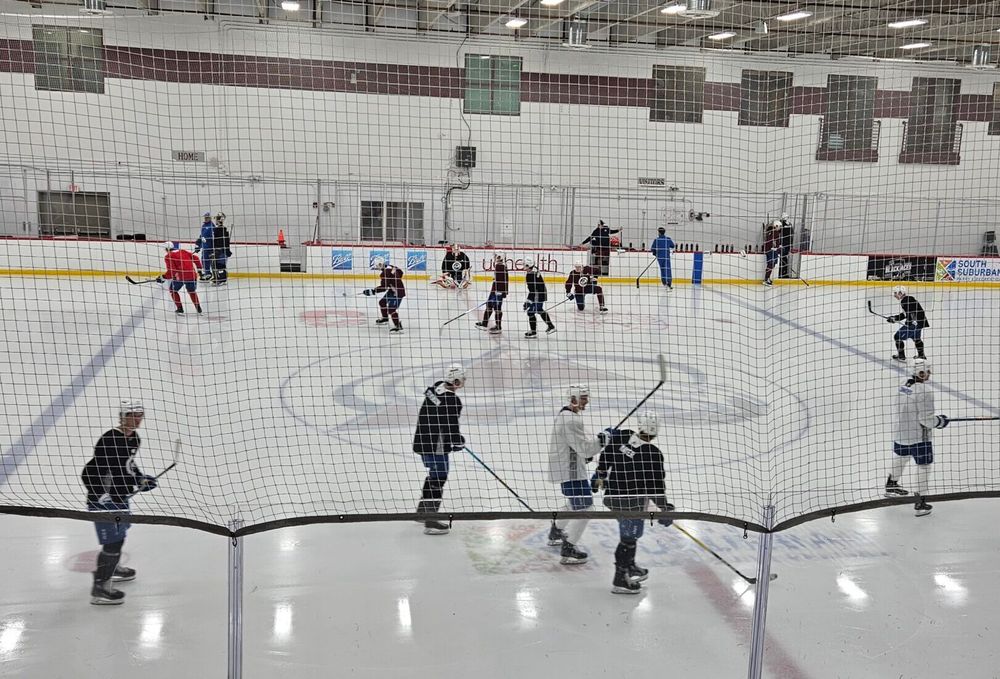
34	434
858	352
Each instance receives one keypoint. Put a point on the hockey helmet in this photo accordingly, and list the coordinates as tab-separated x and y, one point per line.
378	263
649	424
207	215
661	230
577	391
130	407
921	366
170	245
578	264
455	374
529	262
899	291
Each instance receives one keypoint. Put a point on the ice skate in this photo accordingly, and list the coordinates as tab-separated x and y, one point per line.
496	330
556	536
570	555
397	328
197	307
603	310
436	528
899	357
380	321
637	573
623	585
551	329
893	489
179	310
102	594
123	574
531	334
922	508
482	325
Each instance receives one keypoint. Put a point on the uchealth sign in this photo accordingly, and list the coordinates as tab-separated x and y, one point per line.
966	269
547	262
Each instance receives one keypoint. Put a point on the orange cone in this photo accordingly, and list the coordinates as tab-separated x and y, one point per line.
281	238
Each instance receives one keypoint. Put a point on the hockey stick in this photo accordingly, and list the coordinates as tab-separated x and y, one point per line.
135	282
643	271
559	303
173	463
871	310
985	418
663	378
752	581
467	311
487	468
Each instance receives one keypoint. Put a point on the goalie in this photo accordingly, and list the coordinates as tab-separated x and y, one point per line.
455	270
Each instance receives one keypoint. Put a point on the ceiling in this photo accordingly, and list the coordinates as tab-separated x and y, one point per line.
836	27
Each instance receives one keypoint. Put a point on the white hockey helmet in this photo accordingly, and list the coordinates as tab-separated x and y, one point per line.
529	262
921	366
576	391
649	424
170	246
130	407
784	216
455	374
378	263
776	223
899	290
578	264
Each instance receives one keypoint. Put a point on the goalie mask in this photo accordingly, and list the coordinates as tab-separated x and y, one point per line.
649	424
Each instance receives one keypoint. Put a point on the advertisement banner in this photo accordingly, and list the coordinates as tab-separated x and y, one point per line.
341	260
901	268
378	254
958	269
416	260
547	261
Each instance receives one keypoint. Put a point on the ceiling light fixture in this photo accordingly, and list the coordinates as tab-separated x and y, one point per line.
676	8
915	46
907	23
794	16
516	22
290	5
552	3
725	35
575	33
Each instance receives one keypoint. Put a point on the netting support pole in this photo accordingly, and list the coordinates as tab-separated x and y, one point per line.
235	661
760	600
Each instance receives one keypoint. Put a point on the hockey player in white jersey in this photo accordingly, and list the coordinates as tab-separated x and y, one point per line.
570	449
915	418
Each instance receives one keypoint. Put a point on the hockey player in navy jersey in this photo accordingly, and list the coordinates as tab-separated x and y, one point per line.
535	304
914	321
111	477
438	436
632	474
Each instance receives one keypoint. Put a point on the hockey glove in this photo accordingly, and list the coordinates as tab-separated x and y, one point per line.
146	483
159	279
665	507
368	292
229	253
527	306
942	422
570	295
197	249
596	484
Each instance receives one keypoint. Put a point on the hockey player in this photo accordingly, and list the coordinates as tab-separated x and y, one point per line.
631	471
915	419
498	291
391	283
205	244
183	269
772	238
220	252
436	437
570	449
582	280
661	247
111	477
600	247
915	320
456	270
537	295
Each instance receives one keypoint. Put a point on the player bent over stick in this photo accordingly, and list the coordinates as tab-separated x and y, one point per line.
570	449
498	291
582	281
455	270
391	283
537	295
632	473
111	477
182	272
915	419
436	437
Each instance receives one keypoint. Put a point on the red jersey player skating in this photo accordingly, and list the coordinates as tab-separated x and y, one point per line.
182	272
498	291
391	283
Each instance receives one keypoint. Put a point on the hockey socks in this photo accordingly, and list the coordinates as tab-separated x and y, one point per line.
175	296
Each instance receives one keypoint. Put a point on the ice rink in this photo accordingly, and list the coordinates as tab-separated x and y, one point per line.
291	402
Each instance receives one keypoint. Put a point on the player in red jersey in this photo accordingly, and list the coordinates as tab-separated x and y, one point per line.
498	291
391	283
582	280
183	269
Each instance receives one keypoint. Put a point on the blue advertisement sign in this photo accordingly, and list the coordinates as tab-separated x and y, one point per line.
377	254
341	260
416	260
